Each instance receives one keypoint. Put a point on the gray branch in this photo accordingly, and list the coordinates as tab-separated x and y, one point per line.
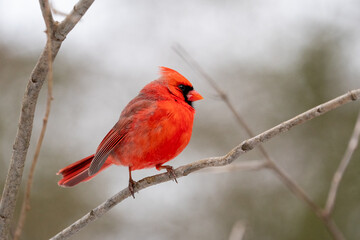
22	140
242	148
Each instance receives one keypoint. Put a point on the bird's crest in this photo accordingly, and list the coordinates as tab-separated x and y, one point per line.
173	77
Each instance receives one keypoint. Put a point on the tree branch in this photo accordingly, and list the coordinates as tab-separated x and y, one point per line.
353	143
22	140
242	148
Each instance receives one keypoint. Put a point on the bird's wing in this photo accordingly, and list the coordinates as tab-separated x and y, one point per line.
110	141
131	112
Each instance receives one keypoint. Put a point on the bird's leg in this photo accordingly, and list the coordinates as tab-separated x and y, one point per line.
169	169
131	184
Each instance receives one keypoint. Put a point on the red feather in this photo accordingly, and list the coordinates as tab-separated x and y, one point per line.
78	172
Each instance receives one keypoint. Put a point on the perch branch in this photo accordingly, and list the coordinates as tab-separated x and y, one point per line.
352	145
22	139
44	4
242	148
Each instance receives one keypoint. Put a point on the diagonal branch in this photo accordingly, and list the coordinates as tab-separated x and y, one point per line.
22	140
353	143
242	148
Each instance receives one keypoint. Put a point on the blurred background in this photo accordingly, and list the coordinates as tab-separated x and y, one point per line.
274	60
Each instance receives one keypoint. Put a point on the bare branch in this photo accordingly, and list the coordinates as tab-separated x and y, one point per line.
21	145
245	146
353	143
26	202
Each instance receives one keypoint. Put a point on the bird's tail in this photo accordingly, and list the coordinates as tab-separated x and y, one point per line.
78	172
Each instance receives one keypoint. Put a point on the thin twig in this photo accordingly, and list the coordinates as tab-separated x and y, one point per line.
22	140
26	202
282	175
244	147
353	143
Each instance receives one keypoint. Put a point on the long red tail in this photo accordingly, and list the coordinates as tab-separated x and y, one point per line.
78	172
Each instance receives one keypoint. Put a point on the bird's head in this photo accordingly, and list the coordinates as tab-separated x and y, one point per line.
179	86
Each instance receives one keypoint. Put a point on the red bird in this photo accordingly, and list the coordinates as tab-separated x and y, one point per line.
152	129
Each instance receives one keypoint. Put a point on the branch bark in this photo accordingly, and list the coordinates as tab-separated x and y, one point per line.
242	148
23	135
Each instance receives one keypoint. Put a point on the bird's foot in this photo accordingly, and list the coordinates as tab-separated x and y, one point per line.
132	187
170	171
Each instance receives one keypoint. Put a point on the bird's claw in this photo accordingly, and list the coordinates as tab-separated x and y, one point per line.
132	187
171	172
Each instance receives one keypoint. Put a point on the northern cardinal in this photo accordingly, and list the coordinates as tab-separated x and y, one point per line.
152	129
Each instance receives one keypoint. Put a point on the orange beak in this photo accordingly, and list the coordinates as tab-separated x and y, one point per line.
193	96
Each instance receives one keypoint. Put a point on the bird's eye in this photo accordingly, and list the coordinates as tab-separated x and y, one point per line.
182	87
